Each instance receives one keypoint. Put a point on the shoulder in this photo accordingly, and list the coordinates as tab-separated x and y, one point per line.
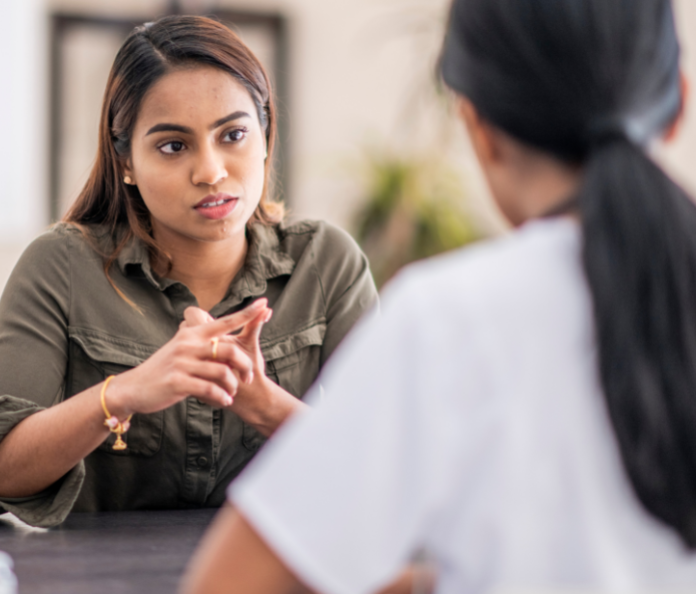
62	235
56	248
320	237
514	285
521	264
330	251
44	268
54	237
502	313
49	247
329	259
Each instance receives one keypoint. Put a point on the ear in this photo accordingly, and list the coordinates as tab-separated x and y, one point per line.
673	130
127	173
482	135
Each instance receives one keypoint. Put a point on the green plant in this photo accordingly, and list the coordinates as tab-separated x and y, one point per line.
413	210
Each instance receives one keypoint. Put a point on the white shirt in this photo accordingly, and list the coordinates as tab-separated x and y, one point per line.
468	420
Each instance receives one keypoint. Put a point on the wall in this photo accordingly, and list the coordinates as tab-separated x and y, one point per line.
23	149
352	64
360	71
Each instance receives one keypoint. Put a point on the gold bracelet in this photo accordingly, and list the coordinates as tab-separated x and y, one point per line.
112	422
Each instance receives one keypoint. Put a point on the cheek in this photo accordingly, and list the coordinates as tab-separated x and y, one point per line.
156	182
259	177
154	192
251	175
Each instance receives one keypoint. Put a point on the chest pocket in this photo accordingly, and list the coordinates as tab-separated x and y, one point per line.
292	362
94	356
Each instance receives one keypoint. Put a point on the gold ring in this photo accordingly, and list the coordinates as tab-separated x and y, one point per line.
215	346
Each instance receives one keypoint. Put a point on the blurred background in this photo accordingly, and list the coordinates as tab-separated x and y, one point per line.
368	139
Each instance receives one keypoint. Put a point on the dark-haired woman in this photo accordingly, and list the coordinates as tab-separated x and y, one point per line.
98	338
532	402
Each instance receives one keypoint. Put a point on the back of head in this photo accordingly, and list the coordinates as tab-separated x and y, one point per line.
594	82
566	75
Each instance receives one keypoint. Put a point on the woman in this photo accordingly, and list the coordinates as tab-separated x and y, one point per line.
532	402
176	213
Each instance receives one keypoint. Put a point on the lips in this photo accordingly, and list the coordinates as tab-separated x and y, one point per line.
216	206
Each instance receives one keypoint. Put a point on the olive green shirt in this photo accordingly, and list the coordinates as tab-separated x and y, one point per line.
63	329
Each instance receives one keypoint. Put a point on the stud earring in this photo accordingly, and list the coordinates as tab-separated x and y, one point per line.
128	180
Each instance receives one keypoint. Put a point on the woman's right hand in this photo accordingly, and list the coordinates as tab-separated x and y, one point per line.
184	367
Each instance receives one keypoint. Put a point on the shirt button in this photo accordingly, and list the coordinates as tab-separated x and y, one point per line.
202	462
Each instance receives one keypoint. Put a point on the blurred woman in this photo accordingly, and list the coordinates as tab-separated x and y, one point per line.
176	214
531	402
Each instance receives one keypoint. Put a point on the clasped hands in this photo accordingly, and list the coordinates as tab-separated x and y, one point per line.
185	367
241	351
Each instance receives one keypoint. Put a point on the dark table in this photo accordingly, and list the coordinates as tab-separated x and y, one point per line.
105	553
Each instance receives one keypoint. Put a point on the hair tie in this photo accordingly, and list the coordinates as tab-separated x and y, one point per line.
608	131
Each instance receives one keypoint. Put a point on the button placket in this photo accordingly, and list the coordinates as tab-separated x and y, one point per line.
198	475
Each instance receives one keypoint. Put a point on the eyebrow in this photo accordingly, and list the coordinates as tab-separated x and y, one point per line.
186	130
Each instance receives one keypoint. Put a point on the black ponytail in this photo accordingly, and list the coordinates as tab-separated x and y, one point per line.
640	260
593	82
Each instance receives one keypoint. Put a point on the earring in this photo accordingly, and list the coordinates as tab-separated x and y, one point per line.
128	180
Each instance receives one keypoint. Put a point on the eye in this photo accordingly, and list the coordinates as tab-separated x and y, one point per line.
235	135
171	148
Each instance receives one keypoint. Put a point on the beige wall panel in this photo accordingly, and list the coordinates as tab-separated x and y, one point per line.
88	57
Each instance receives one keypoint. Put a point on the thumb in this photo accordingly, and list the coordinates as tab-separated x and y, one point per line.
234	321
195	316
252	331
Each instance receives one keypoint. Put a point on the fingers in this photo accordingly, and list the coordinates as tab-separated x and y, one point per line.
207	391
227	352
195	316
234	321
230	354
252	331
218	373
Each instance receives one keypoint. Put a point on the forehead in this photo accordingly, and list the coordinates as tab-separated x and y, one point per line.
194	96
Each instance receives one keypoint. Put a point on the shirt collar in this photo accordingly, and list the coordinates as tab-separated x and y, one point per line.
134	260
265	260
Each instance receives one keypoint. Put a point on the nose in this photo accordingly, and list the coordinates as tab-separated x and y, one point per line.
209	167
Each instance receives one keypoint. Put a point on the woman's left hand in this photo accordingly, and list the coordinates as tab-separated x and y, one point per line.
259	401
248	339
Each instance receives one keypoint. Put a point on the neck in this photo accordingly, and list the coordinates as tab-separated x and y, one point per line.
550	192
206	268
538	184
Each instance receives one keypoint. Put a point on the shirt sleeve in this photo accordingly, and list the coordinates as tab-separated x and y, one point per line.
346	493
34	313
349	289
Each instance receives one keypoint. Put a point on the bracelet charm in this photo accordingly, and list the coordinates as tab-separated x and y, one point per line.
112	422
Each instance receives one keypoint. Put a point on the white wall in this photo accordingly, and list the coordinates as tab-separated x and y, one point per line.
23	148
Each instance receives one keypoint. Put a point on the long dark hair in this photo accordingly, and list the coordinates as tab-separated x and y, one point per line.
150	52
593	82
